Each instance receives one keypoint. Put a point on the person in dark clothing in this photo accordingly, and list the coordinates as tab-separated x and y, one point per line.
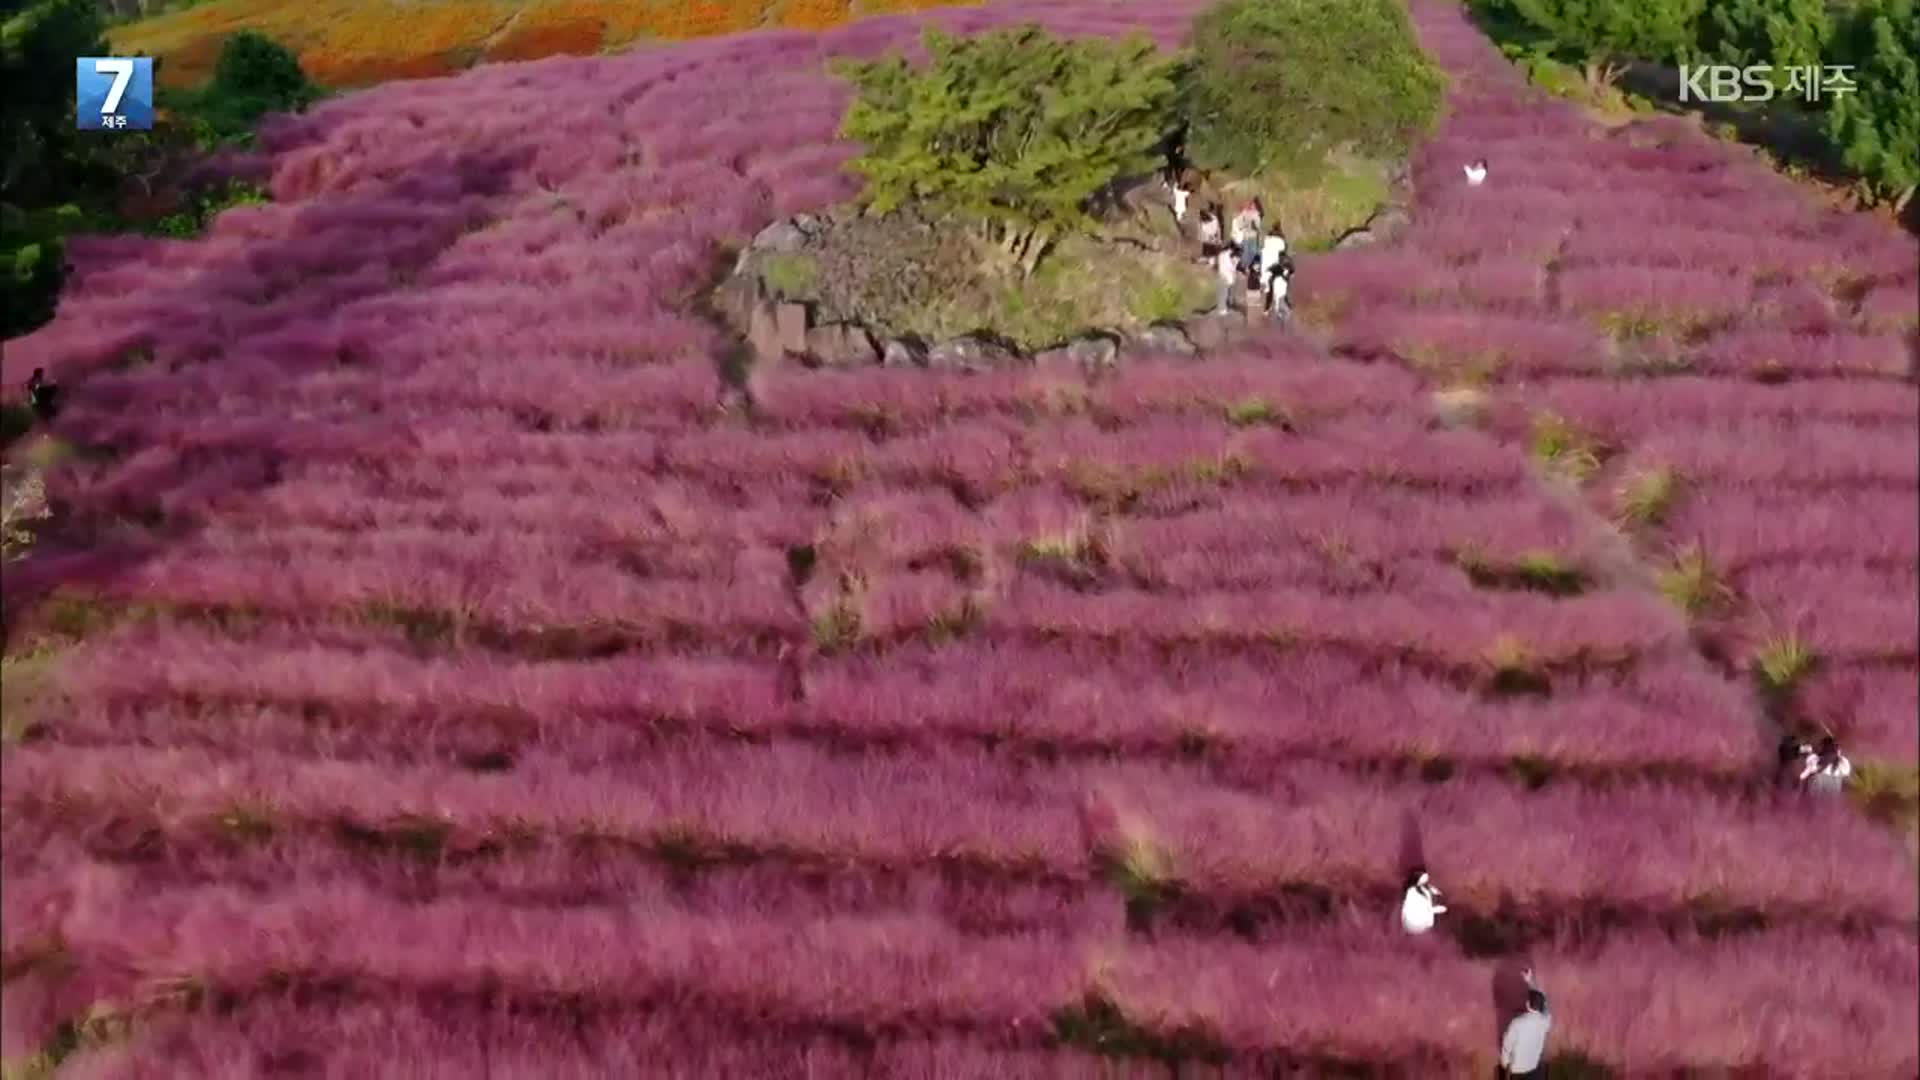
1794	754
43	397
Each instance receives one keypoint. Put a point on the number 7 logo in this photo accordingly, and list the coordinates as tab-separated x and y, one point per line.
122	71
113	93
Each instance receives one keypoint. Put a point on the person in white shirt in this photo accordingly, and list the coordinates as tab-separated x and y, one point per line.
1420	904
1476	172
1180	197
1277	285
1209	230
1227	269
1524	1045
1828	769
1271	249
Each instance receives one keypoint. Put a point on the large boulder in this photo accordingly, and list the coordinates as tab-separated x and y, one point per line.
1388	222
903	352
841	345
972	352
782	236
763	331
1210	333
790	324
1089	352
1161	339
736	297
1355	238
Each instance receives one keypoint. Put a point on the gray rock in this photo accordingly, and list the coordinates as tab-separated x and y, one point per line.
790	324
1356	238
763	331
779	236
971	352
1389	222
1088	352
734	300
1161	339
841	345
1211	332
899	352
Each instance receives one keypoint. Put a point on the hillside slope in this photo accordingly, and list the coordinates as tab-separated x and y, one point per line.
361	42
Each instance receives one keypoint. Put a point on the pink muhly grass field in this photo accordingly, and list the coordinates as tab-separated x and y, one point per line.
428	624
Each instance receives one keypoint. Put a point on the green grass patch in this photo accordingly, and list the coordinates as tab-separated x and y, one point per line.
1532	571
26	684
1254	411
1512	670
1691	583
1566	450
1888	791
1098	1026
1318	206
1647	497
1782	662
790	274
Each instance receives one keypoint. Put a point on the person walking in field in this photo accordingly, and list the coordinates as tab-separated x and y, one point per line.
1828	769
43	397
1795	756
1523	1048
1420	903
1476	173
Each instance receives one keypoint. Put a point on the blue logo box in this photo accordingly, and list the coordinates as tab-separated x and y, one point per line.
114	93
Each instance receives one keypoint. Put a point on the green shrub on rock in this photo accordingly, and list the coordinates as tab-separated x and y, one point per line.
1279	84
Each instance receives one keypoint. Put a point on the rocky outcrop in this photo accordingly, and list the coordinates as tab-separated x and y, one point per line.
1087	353
972	352
841	345
781	330
1161	339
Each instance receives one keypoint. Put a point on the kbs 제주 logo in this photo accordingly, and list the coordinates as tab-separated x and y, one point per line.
114	93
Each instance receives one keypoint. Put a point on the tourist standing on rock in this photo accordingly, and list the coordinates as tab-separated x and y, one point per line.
1523	1048
1278	284
1476	173
1180	197
1226	266
1209	231
1827	771
1272	249
1421	902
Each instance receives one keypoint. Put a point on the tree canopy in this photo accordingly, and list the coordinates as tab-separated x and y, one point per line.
1014	130
1282	82
1876	127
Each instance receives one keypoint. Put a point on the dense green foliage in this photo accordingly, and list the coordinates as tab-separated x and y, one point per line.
1783	33
1277	84
1604	33
56	181
1876	128
1015	131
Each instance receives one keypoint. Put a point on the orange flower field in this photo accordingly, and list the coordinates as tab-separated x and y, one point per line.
361	42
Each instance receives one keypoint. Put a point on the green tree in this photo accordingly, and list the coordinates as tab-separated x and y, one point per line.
1876	128
1604	34
254	75
1279	83
41	155
1784	33
1015	132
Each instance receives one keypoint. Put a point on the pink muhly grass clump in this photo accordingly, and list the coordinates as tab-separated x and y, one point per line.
1295	385
1738	529
1628	412
738	456
1502	281
1783	999
1651	293
892	528
1454	340
1363	278
1840	612
1756	350
1870	709
1777	452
